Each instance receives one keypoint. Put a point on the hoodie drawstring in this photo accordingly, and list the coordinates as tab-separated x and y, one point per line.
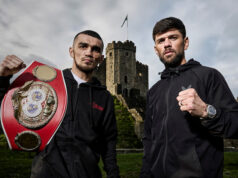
91	107
74	105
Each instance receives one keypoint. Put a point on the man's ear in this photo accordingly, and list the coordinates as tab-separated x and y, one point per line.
186	43
156	52
71	52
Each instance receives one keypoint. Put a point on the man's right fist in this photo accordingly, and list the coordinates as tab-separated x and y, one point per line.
11	65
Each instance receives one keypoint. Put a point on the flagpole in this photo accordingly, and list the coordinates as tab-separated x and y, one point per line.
126	20
127	29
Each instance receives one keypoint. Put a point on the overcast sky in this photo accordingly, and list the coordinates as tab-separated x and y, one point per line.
43	30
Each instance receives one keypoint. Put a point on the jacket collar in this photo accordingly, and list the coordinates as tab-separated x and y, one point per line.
94	82
169	72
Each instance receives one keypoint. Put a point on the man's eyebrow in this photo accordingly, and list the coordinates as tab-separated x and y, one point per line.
82	43
171	35
97	47
175	34
159	39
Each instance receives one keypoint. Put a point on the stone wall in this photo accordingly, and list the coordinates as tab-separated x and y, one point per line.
125	78
120	71
100	72
142	78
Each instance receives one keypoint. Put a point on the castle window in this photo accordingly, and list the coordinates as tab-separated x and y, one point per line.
140	74
110	54
127	54
125	79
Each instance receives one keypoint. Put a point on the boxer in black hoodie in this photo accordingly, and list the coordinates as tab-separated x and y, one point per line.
189	111
88	130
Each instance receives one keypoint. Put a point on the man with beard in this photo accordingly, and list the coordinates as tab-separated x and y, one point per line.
88	130
189	111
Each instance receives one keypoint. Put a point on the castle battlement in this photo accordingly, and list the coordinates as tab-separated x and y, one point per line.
127	45
141	65
121	73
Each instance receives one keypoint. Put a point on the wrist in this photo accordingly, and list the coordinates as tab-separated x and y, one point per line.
204	112
210	112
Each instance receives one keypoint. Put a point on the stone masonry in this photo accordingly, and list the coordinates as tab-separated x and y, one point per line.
120	71
125	78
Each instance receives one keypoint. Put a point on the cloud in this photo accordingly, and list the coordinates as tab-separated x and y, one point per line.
211	28
31	28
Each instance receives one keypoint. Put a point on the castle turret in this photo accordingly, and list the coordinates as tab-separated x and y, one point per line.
121	67
125	78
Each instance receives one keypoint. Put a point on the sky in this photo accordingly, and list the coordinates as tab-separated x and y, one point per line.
44	30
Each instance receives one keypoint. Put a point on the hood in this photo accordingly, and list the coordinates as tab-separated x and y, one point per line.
93	83
169	72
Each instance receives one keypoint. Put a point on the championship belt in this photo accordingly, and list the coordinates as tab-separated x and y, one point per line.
34	107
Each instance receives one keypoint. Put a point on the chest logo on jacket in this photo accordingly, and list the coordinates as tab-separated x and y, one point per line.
185	88
96	106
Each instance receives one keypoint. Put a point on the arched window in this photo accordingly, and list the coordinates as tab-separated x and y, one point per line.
125	79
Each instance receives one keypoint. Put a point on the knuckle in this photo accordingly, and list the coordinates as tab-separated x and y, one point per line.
193	91
8	57
190	106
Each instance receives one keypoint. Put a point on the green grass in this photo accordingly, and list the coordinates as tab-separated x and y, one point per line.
129	165
15	164
231	165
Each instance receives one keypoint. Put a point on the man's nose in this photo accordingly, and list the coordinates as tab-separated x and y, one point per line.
167	43
89	51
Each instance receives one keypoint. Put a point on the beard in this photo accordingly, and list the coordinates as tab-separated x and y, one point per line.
87	70
174	62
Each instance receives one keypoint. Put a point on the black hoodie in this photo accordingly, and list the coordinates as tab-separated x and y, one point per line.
87	132
178	145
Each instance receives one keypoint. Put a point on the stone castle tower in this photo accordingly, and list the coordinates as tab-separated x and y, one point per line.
125	78
120	71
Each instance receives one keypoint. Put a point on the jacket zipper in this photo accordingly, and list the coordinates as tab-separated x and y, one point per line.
166	130
72	125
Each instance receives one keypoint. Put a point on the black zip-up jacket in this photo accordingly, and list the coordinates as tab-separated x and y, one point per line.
178	145
87	132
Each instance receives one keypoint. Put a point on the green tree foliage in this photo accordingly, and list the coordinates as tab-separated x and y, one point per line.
125	124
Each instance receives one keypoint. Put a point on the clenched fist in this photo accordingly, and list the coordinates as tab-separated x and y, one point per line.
11	65
190	101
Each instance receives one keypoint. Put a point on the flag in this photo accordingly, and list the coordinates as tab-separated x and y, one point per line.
126	19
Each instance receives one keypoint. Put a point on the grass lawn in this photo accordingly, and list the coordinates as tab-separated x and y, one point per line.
14	164
129	165
231	165
17	164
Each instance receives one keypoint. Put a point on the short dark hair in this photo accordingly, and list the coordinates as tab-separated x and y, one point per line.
90	33
168	23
